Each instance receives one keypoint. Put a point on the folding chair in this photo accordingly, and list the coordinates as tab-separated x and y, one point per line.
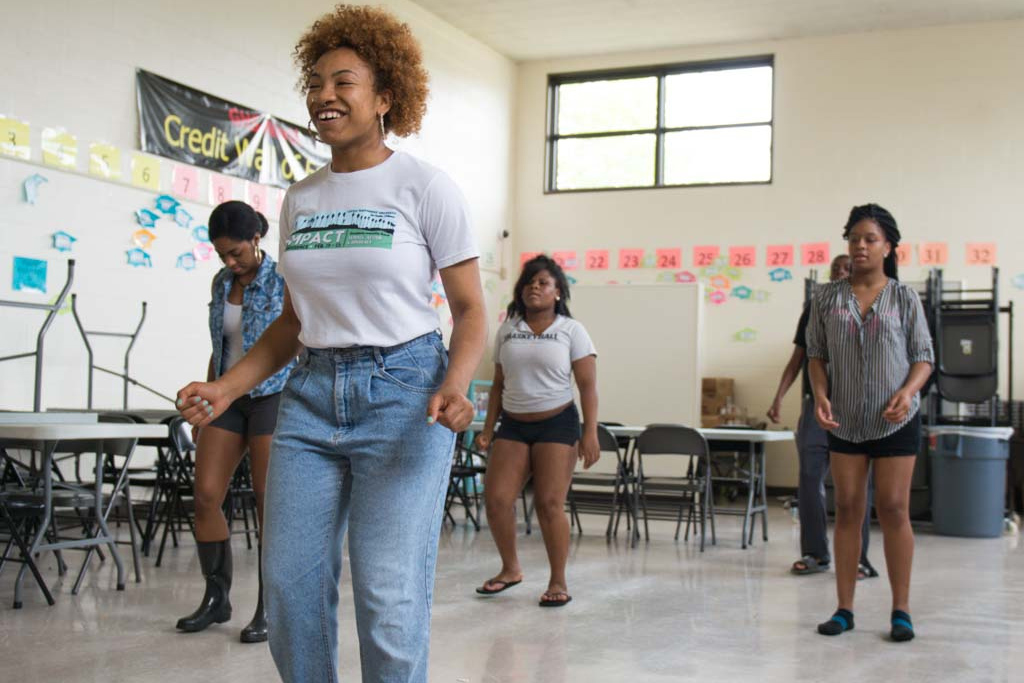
463	484
588	491
666	496
16	516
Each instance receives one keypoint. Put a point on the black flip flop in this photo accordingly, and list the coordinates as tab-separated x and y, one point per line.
866	571
811	566
505	585
556	603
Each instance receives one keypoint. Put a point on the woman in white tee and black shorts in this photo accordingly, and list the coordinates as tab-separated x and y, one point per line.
537	352
368	417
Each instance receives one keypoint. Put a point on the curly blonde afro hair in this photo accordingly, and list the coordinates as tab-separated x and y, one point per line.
383	42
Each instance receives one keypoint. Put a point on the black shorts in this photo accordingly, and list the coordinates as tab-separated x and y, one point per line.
561	428
905	441
250	416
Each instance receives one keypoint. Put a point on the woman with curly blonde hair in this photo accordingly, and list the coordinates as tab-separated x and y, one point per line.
368	417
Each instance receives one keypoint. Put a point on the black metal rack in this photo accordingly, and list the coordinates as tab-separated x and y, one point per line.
943	309
52	310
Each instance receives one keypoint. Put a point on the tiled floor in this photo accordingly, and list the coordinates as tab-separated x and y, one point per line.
660	612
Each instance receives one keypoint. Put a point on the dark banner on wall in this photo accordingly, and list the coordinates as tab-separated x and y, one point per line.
188	125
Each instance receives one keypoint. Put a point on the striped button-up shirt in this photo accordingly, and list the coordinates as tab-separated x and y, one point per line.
868	358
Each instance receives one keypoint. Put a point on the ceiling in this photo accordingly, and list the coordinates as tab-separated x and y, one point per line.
542	29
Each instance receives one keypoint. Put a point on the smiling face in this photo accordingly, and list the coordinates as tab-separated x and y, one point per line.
239	256
868	247
342	100
540	293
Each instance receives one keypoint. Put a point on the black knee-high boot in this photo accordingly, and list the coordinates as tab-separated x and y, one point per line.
215	560
256	631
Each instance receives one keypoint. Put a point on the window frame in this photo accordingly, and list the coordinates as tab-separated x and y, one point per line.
661	72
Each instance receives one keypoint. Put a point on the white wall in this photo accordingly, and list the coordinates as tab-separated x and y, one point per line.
925	122
75	69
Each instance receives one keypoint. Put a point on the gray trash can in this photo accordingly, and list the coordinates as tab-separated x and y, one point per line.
968	479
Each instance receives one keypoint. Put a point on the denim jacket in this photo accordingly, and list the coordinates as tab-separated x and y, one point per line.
262	300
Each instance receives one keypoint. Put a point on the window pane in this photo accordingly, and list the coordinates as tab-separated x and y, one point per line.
708	98
601	106
719	155
619	161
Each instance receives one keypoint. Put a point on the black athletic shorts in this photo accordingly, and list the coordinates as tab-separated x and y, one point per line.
905	441
561	428
250	416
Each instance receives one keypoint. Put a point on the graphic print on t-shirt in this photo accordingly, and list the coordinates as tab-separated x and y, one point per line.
344	230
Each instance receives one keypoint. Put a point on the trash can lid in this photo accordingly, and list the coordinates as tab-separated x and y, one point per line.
1000	433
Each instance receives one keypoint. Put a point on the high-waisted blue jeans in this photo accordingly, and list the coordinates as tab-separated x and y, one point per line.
353	451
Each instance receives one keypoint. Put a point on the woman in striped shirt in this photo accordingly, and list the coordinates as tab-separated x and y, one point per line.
870	353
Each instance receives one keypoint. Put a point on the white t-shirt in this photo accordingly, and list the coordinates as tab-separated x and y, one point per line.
360	250
538	367
233	350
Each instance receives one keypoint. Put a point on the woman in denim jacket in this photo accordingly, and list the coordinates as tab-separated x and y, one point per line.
247	296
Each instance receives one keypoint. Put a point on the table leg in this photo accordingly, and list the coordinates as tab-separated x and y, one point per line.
751	486
764	492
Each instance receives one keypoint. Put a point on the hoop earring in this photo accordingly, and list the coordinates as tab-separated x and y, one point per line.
312	131
258	253
383	133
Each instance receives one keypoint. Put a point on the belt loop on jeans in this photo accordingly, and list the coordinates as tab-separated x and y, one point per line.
378	357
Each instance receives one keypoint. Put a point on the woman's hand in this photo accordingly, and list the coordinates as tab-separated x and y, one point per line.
201	402
898	408
484	440
590	449
823	413
451	408
773	412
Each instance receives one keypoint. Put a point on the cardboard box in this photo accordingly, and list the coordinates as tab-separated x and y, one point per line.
711	421
716	386
712	405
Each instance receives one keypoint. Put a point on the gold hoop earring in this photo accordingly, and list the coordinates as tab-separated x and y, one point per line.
383	133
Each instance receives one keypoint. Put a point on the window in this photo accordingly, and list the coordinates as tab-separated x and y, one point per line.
706	123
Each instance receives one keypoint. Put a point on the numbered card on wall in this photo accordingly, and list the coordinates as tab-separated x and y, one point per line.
981	253
779	256
933	253
631	258
185	182
60	148
104	161
596	259
221	189
742	257
815	254
668	258
705	256
903	254
256	196
14	138
526	256
565	259
145	171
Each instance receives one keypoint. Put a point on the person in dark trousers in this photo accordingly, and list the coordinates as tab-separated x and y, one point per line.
870	353
247	295
812	447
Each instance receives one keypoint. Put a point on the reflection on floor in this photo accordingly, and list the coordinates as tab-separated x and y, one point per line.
659	612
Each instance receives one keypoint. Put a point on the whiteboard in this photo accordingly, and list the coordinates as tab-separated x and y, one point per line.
649	359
